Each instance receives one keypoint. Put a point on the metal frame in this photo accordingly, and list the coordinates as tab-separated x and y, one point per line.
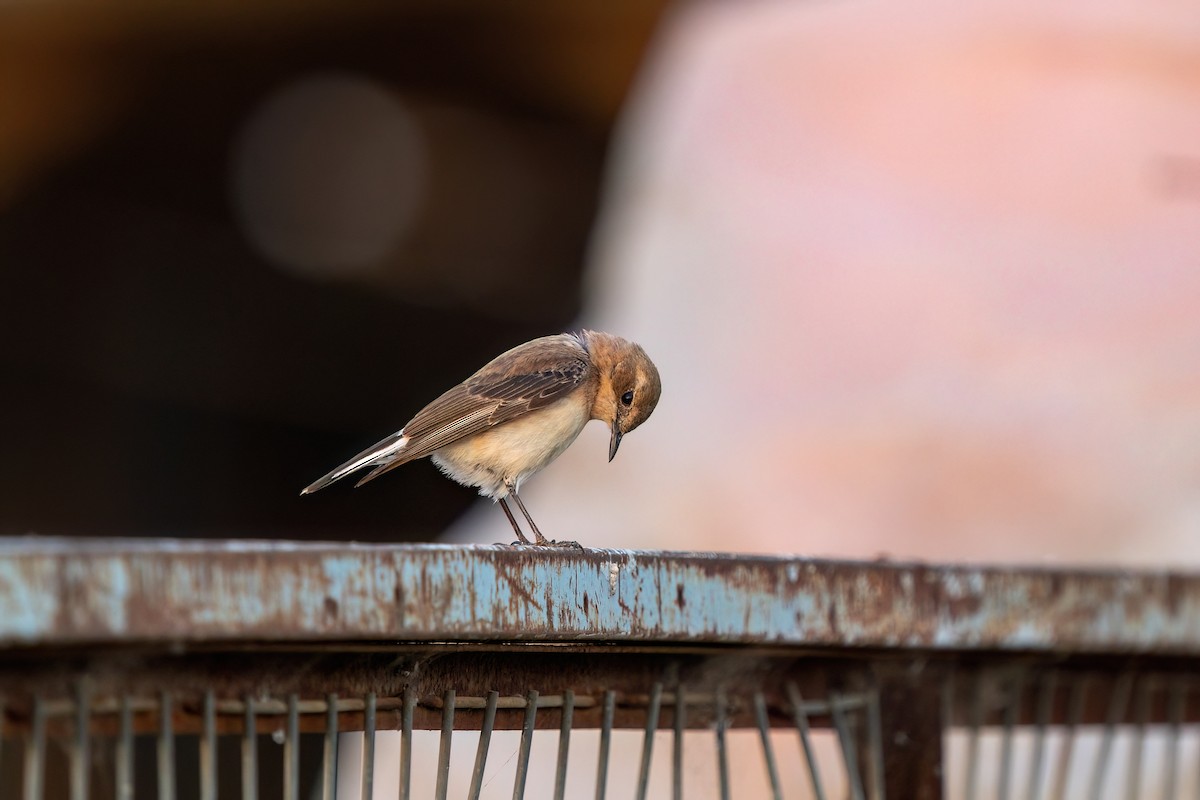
114	640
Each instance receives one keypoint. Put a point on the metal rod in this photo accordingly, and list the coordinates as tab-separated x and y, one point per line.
526	744
1074	715
875	739
291	751
166	748
35	752
1006	744
1073	608
1175	700
722	722
606	723
1116	712
249	752
1037	757
406	734
81	760
1198	777
849	751
123	790
368	748
764	733
949	700
485	742
1141	713
330	754
208	748
801	719
972	775
447	739
677	742
564	744
648	742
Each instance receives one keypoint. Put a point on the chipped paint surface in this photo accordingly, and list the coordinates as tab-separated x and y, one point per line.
55	591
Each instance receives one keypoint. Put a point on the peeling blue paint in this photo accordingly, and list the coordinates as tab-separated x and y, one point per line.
60	591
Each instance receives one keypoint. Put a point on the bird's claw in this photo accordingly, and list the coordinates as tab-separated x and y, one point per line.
547	543
568	545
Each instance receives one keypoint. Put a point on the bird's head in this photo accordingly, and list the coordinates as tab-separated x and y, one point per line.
629	385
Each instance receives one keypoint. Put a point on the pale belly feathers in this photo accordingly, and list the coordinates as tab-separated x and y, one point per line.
512	452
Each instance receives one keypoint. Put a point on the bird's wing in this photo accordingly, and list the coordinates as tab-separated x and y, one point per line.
524	379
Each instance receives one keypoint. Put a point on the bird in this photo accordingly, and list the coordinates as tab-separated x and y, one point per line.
517	414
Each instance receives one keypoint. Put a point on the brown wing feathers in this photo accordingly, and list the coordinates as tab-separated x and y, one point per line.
522	380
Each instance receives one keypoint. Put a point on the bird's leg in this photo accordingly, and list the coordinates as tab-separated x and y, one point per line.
541	540
512	520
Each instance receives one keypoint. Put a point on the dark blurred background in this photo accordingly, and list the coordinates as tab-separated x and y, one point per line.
241	241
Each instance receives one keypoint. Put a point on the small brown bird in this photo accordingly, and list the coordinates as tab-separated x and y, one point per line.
520	412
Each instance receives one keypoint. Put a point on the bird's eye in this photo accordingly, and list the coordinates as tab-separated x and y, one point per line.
627	398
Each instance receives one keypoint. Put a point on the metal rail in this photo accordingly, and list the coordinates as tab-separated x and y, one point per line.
112	641
62	591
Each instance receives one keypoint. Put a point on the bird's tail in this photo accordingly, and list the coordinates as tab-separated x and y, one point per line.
384	452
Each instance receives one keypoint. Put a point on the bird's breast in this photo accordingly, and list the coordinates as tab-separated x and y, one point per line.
515	450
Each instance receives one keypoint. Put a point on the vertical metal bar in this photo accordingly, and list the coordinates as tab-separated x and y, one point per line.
1198	764
875	741
719	711
849	752
124	772
166	747
972	776
1141	713
564	744
606	723
801	718
329	756
368	749
1006	745
1116	712
1074	715
677	743
249	752
1037	757
948	700
911	708
531	701
81	759
648	742
485	741
208	748
406	734
443	767
764	733
35	752
291	750
1174	721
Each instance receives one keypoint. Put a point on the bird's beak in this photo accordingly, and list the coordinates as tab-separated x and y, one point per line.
615	441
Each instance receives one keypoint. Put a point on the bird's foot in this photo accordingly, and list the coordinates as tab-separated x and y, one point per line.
542	541
549	543
566	545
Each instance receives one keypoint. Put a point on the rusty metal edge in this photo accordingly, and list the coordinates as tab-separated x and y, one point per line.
61	591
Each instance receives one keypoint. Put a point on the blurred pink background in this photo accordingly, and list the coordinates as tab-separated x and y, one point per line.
923	281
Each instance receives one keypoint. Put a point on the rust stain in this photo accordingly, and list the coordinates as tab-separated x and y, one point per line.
56	591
